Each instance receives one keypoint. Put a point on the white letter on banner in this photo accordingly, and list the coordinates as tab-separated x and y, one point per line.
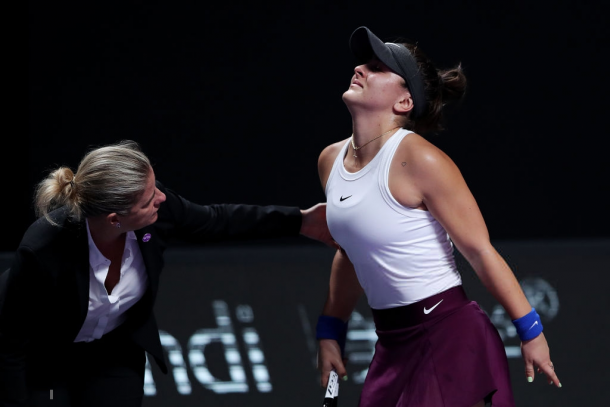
257	359
149	383
245	315
174	354
224	334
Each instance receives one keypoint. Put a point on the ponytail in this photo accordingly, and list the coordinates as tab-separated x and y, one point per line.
442	87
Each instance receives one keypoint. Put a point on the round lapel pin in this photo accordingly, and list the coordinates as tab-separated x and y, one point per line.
146	237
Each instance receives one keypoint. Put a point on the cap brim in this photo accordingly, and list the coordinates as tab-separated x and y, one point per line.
365	45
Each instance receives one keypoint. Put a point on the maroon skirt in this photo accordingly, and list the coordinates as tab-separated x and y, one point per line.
442	351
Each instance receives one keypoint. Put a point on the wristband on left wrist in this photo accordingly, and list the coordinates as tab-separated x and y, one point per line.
528	326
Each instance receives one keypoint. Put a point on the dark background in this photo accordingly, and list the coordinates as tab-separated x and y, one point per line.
234	101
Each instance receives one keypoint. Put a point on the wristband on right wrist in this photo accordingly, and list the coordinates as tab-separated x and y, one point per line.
332	328
528	326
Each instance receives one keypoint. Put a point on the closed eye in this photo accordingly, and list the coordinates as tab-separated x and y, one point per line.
375	65
151	198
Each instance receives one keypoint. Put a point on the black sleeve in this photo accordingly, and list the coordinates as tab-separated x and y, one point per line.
219	222
21	293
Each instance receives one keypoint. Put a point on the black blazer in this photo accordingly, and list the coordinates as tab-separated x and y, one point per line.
46	295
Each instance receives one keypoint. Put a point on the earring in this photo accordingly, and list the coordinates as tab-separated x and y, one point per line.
118	224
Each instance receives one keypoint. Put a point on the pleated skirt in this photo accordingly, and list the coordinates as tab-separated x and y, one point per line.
442	351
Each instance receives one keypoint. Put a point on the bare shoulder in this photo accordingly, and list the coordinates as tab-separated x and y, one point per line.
330	152
420	157
327	158
328	155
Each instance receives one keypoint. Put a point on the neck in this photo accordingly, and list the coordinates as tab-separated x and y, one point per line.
369	123
104	235
369	136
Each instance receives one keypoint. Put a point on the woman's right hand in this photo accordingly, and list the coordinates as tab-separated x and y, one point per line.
329	358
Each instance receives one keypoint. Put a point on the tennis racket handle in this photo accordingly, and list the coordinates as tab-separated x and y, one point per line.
331	397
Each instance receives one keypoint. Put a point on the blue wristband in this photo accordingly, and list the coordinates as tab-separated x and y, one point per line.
528	326
332	328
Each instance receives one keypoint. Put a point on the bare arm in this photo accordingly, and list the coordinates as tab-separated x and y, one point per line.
344	289
343	293
445	194
449	200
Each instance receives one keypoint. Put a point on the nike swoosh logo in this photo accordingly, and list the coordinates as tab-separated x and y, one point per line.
343	199
427	311
533	325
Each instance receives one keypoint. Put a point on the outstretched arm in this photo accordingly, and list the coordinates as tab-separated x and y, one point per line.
222	222
343	293
446	195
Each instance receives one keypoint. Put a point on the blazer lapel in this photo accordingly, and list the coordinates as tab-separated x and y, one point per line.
152	256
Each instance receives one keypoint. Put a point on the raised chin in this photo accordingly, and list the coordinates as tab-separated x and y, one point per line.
349	94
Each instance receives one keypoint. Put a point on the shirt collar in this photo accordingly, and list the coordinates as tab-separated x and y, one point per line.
96	258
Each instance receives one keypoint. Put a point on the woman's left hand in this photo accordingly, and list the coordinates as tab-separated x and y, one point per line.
537	357
314	225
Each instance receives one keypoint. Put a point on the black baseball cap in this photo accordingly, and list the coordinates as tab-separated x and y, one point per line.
364	45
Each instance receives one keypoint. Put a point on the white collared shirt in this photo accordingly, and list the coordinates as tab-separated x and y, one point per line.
106	312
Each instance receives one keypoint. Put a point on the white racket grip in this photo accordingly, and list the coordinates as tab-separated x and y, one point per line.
332	389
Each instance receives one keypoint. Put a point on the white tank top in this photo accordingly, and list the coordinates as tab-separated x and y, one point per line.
401	255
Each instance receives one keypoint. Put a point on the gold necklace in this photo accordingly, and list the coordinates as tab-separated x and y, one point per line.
358	148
